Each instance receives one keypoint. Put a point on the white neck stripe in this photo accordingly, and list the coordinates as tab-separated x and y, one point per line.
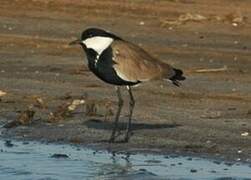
98	43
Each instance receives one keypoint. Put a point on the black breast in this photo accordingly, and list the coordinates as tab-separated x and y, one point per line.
103	67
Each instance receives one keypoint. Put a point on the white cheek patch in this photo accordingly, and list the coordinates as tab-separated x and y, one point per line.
98	43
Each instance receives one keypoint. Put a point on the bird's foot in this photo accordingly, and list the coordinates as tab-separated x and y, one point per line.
112	138
127	137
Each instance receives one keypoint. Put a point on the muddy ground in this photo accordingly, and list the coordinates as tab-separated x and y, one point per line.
209	40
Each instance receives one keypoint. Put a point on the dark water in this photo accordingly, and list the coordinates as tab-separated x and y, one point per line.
36	161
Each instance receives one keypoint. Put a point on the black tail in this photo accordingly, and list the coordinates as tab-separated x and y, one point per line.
178	76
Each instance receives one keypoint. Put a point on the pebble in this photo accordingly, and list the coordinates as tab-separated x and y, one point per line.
8	143
193	170
235	24
58	156
142	23
244	134
234	89
189	159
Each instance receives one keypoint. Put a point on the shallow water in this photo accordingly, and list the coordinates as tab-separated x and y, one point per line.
33	161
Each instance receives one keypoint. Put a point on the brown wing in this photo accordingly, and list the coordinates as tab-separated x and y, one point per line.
133	64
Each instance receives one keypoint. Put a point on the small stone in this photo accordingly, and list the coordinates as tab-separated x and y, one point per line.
8	143
2	93
229	164
193	170
189	159
208	141
216	162
235	24
236	42
170	28
166	157
58	156
244	134
142	23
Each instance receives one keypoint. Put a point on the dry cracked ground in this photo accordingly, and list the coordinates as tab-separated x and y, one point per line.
41	76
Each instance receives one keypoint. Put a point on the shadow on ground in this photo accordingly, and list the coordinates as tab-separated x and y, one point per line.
105	125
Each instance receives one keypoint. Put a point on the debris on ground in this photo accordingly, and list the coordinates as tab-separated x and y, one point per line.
60	113
39	103
235	19
75	103
184	18
224	68
141	23
2	93
191	17
24	118
65	110
244	134
102	108
91	109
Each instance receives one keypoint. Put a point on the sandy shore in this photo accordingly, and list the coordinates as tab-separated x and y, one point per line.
209	40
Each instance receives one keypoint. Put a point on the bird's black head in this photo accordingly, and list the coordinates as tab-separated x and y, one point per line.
96	32
96	40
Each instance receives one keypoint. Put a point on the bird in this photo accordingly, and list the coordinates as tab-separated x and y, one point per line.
122	63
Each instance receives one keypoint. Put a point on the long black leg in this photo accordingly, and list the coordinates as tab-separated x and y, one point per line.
115	124
131	107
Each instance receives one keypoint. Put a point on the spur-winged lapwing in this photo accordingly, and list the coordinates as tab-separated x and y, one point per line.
121	63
